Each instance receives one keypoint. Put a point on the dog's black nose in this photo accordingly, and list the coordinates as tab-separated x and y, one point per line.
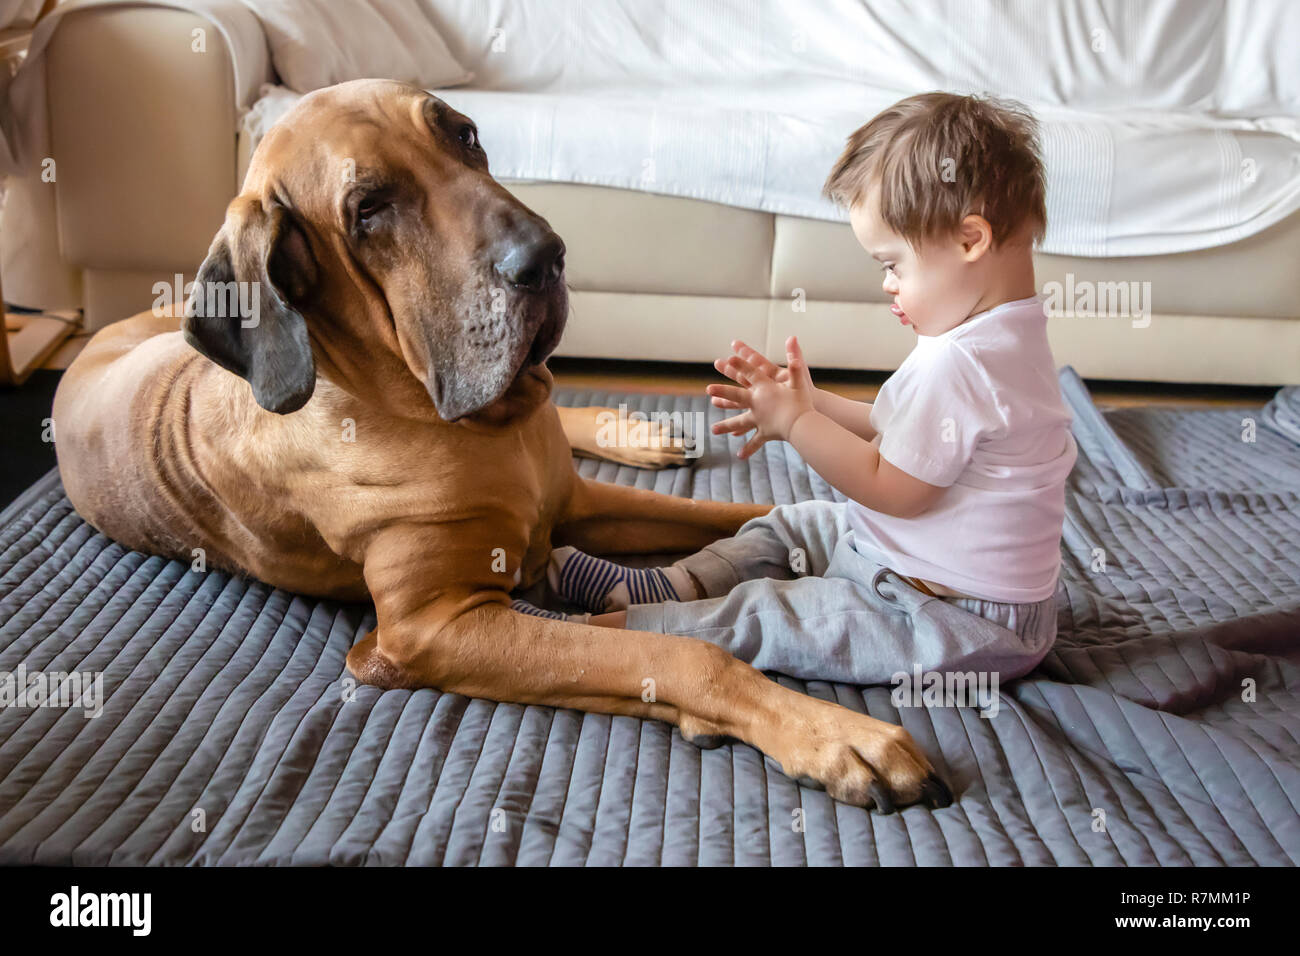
533	257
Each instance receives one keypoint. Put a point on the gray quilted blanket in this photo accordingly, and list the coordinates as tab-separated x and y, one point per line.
1163	729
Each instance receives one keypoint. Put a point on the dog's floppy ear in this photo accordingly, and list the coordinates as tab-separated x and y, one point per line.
241	313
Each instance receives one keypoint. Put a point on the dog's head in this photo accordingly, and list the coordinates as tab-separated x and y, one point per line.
371	241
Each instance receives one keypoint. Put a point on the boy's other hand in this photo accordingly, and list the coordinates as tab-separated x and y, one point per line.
773	397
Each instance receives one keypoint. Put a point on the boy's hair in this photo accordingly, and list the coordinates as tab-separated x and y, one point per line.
939	157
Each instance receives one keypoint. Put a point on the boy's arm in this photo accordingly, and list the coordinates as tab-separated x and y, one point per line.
845	412
855	467
786	410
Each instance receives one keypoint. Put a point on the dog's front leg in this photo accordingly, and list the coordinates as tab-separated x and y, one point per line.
652	447
471	643
612	519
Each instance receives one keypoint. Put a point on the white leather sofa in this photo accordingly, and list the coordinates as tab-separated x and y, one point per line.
143	134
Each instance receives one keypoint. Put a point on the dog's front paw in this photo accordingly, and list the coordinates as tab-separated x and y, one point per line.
658	450
859	760
610	435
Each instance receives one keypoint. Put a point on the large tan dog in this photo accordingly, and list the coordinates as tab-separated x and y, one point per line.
388	431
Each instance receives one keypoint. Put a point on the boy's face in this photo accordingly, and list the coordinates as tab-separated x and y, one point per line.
934	289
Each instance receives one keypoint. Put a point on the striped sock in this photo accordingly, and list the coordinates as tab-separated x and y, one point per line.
523	607
601	585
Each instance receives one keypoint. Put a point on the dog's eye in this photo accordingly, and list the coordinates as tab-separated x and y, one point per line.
468	136
369	207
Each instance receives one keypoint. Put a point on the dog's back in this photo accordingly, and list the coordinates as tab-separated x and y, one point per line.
148	435
107	406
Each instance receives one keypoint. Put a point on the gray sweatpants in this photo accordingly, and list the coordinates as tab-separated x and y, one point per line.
847	618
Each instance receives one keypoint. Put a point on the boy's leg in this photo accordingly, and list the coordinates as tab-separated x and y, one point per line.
526	607
860	624
788	541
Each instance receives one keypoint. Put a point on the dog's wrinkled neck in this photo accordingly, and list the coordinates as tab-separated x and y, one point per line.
532	388
345	361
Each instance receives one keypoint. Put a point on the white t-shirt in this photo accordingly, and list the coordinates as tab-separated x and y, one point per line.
977	410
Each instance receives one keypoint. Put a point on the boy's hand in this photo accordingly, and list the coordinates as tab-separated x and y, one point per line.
754	357
773	397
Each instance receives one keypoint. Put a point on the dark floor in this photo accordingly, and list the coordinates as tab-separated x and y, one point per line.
24	456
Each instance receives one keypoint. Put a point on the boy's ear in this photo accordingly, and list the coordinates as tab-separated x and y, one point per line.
976	237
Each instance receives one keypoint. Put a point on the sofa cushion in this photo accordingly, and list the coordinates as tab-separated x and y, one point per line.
661	328
1256	276
620	240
